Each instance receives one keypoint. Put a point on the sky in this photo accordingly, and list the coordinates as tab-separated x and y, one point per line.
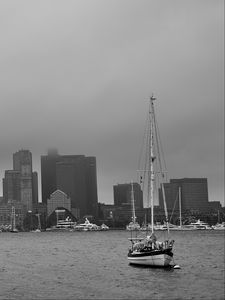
76	75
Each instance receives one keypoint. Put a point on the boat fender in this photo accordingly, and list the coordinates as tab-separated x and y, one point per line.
176	267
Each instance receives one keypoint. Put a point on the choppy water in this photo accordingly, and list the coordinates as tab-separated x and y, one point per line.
93	265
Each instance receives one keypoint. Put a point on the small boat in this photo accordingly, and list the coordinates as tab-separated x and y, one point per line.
200	225
148	251
133	225
86	226
39	224
63	225
171	227
181	226
104	227
219	226
13	221
157	226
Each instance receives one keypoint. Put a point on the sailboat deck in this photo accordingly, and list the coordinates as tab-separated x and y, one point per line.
136	239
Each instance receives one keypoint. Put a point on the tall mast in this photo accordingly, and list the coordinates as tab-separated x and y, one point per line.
13	218
180	205
132	202
162	172
39	221
151	162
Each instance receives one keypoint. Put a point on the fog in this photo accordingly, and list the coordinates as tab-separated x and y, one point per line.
76	75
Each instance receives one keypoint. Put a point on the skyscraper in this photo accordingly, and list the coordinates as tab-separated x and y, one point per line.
22	162
48	174
76	176
20	184
11	186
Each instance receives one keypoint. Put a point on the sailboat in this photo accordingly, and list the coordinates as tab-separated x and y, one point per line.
197	225
13	221
181	226
148	251
133	225
38	229
219	225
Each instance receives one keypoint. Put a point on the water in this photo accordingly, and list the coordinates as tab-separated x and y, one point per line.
93	265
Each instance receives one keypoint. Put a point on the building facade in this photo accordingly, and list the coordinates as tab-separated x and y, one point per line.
122	195
76	176
58	199
11	186
21	184
194	194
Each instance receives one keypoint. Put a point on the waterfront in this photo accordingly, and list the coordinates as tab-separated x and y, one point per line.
93	265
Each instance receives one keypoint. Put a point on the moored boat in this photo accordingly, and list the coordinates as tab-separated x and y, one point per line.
219	226
104	227
61	225
13	221
148	251
86	226
38	229
133	225
200	225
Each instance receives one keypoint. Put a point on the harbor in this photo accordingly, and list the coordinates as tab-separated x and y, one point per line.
93	265
112	150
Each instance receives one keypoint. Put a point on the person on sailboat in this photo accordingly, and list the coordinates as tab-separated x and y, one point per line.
138	246
153	238
151	241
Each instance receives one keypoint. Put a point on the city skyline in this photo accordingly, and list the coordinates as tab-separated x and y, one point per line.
118	184
77	77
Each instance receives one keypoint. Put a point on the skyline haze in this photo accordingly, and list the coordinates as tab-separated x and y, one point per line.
77	75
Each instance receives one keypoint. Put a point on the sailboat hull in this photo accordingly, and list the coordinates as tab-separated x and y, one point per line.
156	258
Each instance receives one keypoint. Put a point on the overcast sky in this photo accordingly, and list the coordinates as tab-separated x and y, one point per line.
76	75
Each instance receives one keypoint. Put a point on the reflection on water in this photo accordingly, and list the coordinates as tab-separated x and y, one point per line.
93	265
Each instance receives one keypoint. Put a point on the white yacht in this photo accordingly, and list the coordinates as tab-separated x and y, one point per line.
66	224
219	226
200	225
86	226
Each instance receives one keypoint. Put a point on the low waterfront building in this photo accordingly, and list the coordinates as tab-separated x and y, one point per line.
58	199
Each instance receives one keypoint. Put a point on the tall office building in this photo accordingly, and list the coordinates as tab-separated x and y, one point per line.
20	184
91	181
76	176
48	174
11	186
35	188
122	195
194	194
22	162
